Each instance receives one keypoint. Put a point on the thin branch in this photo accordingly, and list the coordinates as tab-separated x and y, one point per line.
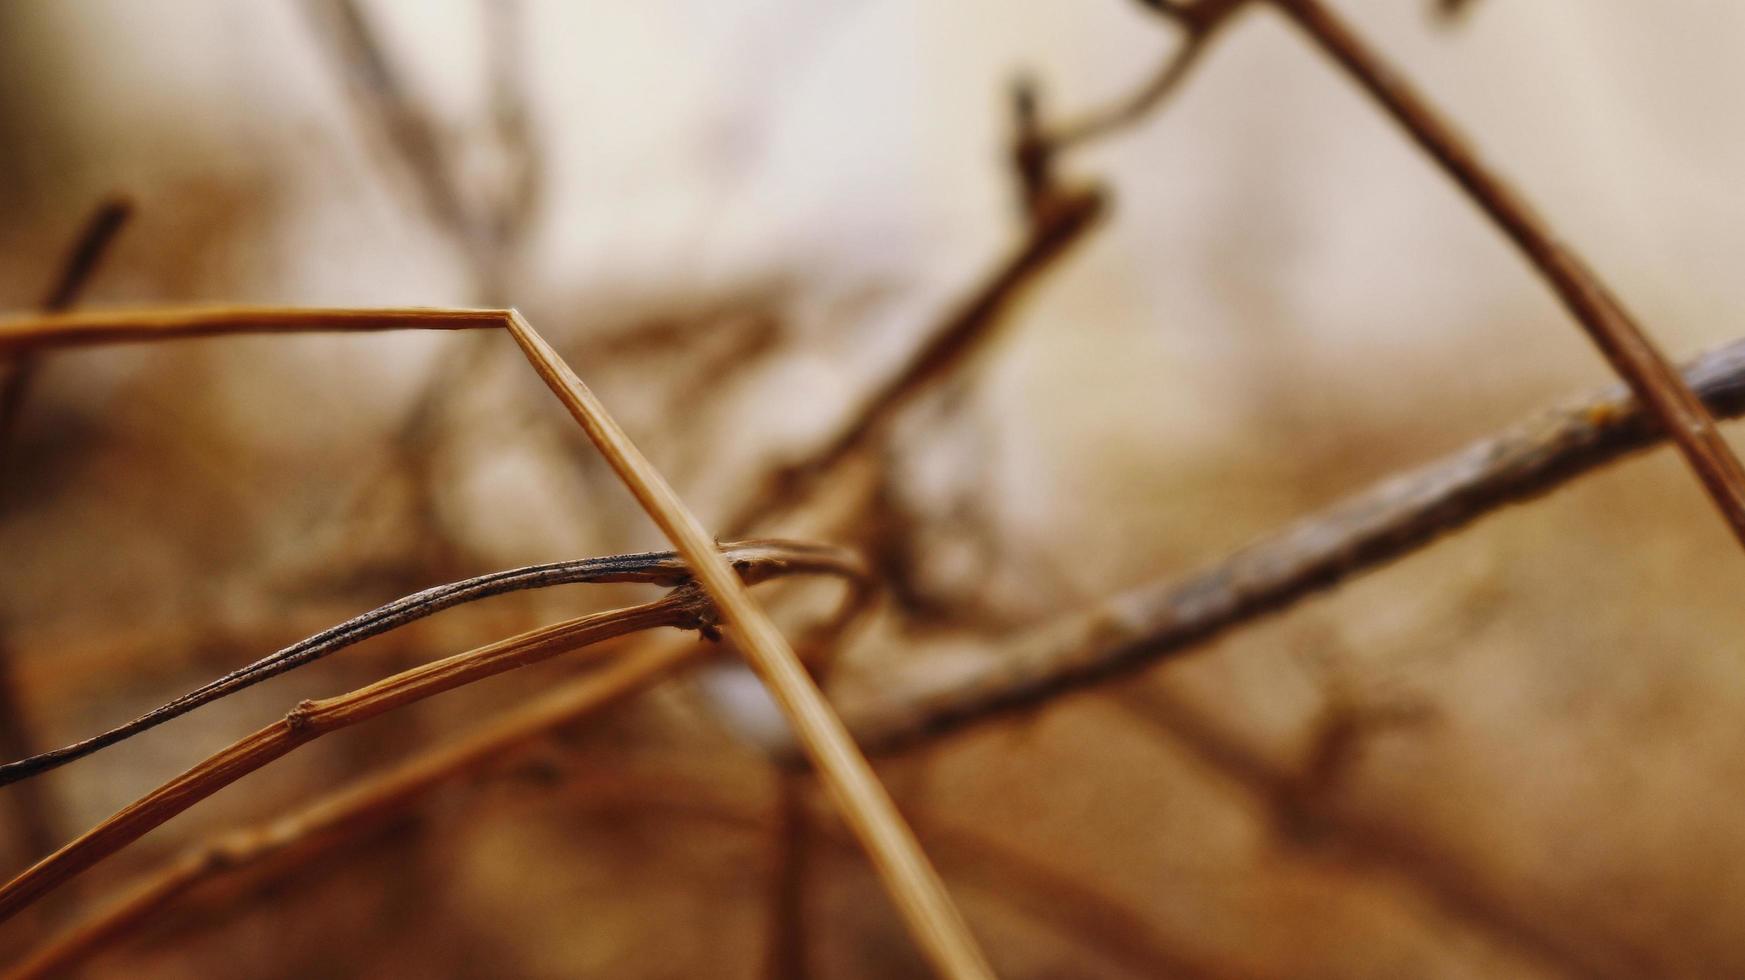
35	807
1393	518
333	820
1307	816
1613	330
755	561
921	897
355	811
683	608
95	327
344	31
1199	22
949	347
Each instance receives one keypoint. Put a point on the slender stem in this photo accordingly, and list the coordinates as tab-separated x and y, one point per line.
921	897
1394	517
1613	330
91	328
755	560
312	719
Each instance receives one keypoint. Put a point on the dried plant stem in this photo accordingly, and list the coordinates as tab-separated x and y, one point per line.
1199	21
94	327
755	561
683	608
1613	330
1393	518
866	807
356	810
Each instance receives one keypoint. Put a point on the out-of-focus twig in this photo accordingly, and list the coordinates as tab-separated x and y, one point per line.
1306	813
1393	518
1613	330
33	807
1199	22
933	919
754	560
959	338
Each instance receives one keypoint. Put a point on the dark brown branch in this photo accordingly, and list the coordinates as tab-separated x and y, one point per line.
755	560
1613	330
1393	518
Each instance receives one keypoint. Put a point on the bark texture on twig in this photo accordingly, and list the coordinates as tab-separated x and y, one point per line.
1391	519
683	608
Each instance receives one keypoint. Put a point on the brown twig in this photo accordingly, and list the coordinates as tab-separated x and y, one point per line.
1393	518
353	812
1199	22
919	894
754	560
1613	330
683	608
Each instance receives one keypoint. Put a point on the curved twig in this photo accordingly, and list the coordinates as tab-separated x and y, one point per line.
683	608
755	560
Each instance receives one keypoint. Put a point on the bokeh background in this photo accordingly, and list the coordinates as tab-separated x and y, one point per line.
735	219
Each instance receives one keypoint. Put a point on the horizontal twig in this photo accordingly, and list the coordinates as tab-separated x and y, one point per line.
1393	518
755	561
88	328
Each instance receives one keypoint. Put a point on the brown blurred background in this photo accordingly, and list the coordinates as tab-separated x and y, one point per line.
734	219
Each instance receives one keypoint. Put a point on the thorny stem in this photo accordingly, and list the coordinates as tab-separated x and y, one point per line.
1392	518
755	561
1613	330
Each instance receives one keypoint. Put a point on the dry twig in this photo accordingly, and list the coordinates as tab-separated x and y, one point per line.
683	608
755	561
356	810
1613	330
1393	518
868	809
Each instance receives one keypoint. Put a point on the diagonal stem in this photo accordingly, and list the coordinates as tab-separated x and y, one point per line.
865	805
1613	330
